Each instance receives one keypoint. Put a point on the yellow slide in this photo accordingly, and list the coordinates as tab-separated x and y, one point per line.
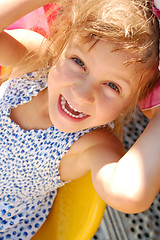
76	212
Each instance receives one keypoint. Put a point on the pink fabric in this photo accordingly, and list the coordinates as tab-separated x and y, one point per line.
37	20
156	11
153	99
34	20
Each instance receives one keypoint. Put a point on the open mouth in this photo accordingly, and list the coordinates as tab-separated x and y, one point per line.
71	111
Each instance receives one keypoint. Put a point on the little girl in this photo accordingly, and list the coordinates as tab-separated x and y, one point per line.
61	94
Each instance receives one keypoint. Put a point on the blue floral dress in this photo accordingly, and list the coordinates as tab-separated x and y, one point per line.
29	162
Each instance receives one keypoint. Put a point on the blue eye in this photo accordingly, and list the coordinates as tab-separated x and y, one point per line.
113	86
79	62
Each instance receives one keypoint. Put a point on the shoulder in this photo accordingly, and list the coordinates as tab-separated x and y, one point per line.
20	90
95	146
98	138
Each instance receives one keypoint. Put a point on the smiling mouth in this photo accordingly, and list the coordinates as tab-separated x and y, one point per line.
71	111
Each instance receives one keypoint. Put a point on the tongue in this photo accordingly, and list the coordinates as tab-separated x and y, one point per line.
71	110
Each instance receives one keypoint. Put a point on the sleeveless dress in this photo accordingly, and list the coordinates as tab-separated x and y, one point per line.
29	163
153	99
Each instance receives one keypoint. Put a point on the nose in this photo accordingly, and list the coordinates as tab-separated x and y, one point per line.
84	92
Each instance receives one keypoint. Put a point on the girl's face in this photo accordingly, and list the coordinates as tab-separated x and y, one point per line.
90	85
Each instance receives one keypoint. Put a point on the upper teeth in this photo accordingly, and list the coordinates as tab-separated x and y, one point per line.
63	103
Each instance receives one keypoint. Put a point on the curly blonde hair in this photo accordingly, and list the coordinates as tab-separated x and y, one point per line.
128	23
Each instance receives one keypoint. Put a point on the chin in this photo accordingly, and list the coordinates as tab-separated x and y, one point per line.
68	126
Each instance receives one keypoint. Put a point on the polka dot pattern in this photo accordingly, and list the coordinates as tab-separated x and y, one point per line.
29	162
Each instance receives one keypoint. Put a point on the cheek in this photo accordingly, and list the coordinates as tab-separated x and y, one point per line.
53	77
110	110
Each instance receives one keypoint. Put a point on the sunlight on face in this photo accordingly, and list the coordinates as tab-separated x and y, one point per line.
90	85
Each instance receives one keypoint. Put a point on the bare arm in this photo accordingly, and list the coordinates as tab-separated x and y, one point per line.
13	10
157	3
127	182
15	44
130	184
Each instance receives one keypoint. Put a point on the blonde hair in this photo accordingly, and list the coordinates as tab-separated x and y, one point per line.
128	23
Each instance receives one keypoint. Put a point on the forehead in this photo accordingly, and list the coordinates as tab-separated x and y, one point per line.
104	48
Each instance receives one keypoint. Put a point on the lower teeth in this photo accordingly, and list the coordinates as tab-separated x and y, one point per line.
72	115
